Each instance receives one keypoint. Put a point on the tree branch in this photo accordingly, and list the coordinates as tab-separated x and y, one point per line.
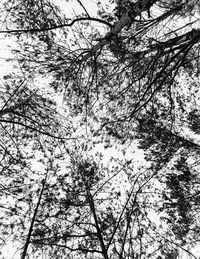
33	221
92	207
83	7
126	19
58	26
70	248
35	129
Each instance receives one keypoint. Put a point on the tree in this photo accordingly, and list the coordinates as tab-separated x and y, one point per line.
127	75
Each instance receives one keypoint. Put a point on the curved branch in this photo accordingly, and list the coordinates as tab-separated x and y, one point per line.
83	8
35	129
59	26
178	245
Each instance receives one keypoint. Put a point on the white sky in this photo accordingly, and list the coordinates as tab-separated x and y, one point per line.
5	53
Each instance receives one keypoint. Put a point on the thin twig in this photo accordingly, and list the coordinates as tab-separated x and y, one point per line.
83	7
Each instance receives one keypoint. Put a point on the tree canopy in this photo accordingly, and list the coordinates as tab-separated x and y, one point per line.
99	124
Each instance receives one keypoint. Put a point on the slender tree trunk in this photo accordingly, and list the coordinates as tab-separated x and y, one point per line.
23	256
92	207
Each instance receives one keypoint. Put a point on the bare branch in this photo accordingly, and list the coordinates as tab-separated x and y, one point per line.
58	26
83	7
33	221
35	129
92	207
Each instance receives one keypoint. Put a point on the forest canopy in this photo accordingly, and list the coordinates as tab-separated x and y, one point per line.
99	122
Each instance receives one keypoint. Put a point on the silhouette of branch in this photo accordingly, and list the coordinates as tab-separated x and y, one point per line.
33	221
34	129
70	248
93	210
83	7
32	30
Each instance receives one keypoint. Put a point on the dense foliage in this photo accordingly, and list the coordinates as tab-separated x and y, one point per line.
99	125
